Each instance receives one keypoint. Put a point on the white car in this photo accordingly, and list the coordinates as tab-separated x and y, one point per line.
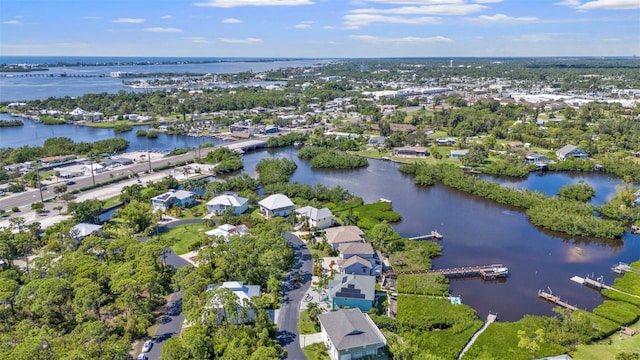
147	346
142	357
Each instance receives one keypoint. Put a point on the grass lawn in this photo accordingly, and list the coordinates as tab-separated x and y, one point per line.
184	236
316	352
610	347
111	202
306	325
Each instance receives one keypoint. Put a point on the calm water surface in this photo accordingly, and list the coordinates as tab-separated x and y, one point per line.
34	134
478	232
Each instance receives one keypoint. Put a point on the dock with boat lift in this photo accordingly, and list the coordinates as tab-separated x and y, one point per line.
621	268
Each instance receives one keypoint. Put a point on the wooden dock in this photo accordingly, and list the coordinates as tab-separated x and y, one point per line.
433	235
599	284
556	300
486	272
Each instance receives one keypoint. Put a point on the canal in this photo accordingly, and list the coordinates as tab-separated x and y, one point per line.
478	232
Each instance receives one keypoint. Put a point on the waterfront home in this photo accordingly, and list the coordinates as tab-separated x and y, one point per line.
53	160
343	235
316	218
410	151
571	151
377	141
276	205
241	292
362	249
227	200
181	198
352	291
350	334
456	154
355	265
534	158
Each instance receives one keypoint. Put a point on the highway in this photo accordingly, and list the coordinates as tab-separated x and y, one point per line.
24	199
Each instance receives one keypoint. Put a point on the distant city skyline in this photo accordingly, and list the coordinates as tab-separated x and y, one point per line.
320	28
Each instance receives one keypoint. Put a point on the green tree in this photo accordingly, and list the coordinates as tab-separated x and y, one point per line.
137	215
87	211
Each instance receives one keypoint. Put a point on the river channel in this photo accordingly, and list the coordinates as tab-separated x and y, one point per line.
478	232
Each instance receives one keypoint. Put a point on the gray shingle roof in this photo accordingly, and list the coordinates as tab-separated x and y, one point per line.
349	329
343	234
356	248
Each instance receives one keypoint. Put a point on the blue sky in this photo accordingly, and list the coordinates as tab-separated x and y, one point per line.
320	28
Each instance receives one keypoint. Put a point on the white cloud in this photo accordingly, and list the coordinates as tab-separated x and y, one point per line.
408	39
198	40
447	9
167	17
13	22
237	3
127	21
231	21
241	41
328	27
505	18
488	1
601	4
304	25
613	40
355	21
162	29
610	5
93	17
70	45
417	2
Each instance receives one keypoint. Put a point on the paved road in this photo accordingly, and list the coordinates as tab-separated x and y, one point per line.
289	313
24	199
171	322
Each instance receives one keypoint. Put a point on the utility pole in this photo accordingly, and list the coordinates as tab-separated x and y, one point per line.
93	178
148	156
39	183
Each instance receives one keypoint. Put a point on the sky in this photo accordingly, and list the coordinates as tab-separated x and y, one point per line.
320	28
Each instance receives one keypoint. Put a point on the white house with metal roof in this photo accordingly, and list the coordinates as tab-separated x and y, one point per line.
242	292
276	205
351	335
227	200
318	218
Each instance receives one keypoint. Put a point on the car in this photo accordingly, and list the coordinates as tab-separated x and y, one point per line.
70	182
147	346
43	187
142	357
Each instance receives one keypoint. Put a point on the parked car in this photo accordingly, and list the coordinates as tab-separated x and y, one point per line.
71	182
142	357
147	346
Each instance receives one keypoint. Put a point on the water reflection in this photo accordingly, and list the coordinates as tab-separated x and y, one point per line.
478	232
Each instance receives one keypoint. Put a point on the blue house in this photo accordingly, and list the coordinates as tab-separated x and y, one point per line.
182	198
352	291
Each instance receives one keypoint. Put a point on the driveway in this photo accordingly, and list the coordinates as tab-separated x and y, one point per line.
289	313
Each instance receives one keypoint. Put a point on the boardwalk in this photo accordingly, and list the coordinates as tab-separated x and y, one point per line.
487	272
556	300
599	284
490	319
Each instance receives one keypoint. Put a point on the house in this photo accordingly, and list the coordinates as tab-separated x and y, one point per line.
352	291
342	235
227	200
350	334
456	154
410	151
276	205
376	141
533	158
227	230
242	292
355	265
94	168
571	151
181	198
362	249
316	218
82	230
